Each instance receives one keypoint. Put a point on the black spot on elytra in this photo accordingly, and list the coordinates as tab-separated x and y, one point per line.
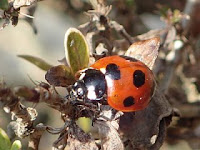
129	101
129	58
112	70
138	78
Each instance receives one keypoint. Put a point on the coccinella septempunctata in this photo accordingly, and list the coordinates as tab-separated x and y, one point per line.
125	82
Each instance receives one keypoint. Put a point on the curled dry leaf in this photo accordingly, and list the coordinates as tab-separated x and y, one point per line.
75	144
109	136
60	76
11	12
76	50
81	140
145	51
28	94
146	129
170	37
21	3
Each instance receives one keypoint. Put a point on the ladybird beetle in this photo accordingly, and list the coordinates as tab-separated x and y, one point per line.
126	83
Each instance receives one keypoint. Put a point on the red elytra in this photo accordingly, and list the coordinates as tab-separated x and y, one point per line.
130	83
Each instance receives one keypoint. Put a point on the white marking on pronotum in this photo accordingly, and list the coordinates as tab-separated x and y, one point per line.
103	70
153	139
109	81
75	84
82	76
91	93
82	73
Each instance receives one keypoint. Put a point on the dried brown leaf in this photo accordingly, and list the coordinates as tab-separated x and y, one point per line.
146	129
145	51
28	94
81	141
75	144
109	136
21	3
60	76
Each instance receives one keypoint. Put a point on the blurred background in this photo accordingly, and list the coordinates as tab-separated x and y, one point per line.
52	19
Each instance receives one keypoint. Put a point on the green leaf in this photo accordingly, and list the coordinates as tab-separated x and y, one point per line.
60	76
4	4
130	3
176	16
4	140
16	145
163	11
76	50
84	123
36	61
